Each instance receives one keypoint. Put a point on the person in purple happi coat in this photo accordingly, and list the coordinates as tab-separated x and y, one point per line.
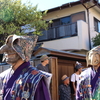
22	81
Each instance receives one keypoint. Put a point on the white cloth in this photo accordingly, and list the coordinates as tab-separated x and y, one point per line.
74	77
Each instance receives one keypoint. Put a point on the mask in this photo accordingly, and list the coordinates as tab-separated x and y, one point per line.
18	47
93	56
10	55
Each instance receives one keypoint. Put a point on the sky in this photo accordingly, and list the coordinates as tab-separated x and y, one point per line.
47	4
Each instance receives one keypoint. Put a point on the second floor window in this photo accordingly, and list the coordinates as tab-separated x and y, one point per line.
68	19
60	21
97	25
65	20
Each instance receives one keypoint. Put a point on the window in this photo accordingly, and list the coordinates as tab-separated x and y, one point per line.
78	16
60	21
97	25
65	20
68	19
56	23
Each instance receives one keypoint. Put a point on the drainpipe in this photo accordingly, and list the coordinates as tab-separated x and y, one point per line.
87	9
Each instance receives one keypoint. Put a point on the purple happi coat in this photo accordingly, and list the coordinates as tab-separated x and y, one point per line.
88	87
26	83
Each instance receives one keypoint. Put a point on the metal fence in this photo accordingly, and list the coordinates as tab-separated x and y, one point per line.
59	32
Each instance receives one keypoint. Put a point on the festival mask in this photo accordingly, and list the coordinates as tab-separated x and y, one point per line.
17	47
93	56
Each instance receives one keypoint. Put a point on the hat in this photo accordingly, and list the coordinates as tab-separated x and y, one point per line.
78	65
44	57
64	77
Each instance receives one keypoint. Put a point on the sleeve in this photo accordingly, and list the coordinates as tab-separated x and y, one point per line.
42	91
39	67
73	78
62	90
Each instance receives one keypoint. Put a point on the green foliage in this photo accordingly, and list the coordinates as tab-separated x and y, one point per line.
14	14
96	40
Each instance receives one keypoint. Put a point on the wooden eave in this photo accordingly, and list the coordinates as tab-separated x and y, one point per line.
60	53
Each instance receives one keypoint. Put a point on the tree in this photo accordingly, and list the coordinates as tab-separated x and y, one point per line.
14	15
96	40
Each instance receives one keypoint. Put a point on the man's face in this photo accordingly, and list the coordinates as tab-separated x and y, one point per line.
80	70
67	81
47	61
10	55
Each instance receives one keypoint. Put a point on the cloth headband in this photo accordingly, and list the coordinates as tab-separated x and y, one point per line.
65	78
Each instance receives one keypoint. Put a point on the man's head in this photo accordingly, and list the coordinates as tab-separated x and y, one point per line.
65	79
18	47
93	56
44	58
78	67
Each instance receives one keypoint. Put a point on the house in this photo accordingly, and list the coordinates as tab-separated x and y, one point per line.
74	25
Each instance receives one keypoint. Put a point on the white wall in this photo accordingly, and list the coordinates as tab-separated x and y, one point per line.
83	35
62	44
